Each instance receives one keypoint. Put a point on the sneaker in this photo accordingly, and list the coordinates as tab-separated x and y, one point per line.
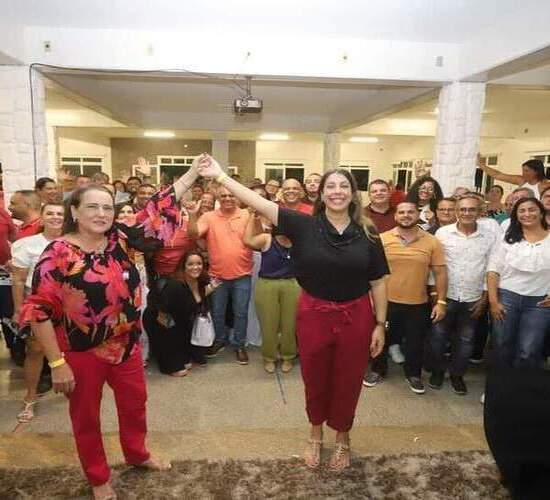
286	366
242	356
396	354
458	385
476	361
436	380
372	379
269	366
416	385
216	348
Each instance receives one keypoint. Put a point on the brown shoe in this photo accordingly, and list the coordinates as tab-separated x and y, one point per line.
286	365
242	356
269	366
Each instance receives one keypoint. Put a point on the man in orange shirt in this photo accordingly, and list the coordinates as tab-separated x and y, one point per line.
231	263
412	253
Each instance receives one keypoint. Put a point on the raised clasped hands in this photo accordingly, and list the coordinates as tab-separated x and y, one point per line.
208	167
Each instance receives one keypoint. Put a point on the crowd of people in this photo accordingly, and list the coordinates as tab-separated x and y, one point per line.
102	278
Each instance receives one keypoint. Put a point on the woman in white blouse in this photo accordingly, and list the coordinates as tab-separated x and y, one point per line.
519	287
25	255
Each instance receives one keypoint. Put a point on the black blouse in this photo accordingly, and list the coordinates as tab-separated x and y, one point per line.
332	266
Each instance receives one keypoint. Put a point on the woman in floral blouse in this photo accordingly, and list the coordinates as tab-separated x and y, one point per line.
84	309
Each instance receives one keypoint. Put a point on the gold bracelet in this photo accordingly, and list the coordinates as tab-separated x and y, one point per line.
58	362
442	302
221	177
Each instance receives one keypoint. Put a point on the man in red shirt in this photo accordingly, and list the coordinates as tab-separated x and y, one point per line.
312	188
380	210
292	197
25	206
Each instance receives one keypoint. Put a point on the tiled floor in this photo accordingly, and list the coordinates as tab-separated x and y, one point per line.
227	410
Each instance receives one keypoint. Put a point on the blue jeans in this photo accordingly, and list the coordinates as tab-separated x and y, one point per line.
458	328
519	340
239	289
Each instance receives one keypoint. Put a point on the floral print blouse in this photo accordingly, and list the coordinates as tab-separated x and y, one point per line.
93	298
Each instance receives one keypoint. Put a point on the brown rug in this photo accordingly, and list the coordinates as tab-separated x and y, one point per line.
462	475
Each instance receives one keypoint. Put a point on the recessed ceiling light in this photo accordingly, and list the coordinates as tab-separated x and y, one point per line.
272	136
360	138
160	134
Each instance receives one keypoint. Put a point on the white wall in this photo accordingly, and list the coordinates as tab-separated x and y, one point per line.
309	153
82	143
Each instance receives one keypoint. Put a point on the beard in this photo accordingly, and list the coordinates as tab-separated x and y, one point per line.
407	225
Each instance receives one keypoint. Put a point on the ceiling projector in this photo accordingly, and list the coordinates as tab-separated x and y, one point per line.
247	104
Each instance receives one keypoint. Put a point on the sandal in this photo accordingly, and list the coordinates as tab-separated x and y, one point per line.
341	457
27	413
312	453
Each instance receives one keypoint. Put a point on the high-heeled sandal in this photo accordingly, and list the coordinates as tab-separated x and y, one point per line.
340	458
312	454
27	413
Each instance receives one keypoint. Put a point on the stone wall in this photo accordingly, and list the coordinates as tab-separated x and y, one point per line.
17	153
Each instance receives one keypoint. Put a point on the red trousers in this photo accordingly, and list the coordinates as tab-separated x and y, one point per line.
333	342
127	380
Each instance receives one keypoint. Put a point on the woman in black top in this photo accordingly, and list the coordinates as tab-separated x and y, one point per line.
340	264
180	300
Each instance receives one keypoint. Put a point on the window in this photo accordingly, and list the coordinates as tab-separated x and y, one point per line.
361	172
284	170
482	181
76	165
402	174
544	157
172	167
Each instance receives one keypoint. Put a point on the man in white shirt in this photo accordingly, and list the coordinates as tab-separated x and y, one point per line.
467	249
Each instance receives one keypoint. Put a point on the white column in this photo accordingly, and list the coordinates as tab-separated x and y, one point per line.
24	155
331	151
220	148
457	140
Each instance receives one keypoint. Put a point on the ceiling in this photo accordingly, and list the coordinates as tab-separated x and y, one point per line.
180	102
509	110
447	21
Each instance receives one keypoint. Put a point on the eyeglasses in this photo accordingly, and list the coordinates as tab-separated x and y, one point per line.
465	210
96	208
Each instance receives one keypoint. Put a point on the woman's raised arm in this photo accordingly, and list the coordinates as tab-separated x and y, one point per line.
208	167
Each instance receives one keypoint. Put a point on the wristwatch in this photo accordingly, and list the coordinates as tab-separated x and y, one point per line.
384	324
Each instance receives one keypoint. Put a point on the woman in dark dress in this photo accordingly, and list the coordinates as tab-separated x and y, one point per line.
340	265
180	300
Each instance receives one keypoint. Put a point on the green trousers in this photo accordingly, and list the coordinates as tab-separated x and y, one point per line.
276	303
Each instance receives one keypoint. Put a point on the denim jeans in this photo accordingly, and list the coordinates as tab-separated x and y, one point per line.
457	327
519	339
239	290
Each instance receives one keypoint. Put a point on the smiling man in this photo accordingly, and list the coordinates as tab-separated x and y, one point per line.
411	254
292	197
230	262
380	210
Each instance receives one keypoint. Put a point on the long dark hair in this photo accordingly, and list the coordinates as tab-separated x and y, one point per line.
120	206
412	195
69	224
514	233
355	208
536	166
202	280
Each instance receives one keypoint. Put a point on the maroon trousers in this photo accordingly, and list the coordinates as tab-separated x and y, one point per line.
333	342
127	380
